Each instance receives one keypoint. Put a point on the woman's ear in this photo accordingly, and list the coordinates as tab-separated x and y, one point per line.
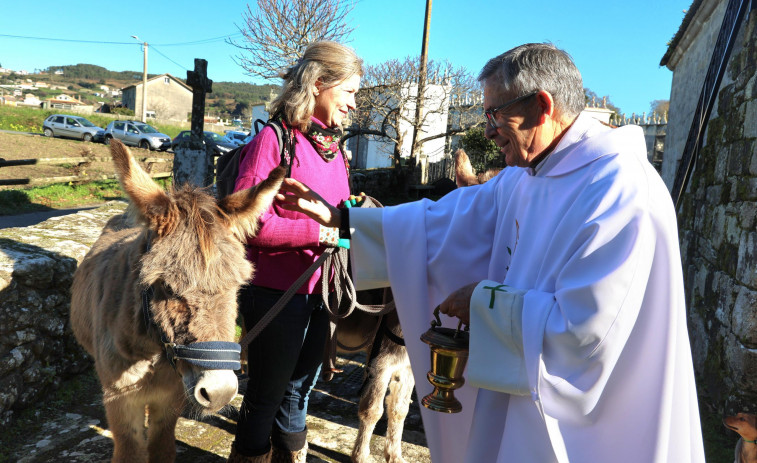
317	87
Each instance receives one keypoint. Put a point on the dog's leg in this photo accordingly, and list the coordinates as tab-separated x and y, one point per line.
397	405
371	407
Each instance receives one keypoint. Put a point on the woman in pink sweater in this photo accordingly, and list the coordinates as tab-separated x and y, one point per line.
285	358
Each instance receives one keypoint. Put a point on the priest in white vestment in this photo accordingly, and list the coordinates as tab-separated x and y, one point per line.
566	267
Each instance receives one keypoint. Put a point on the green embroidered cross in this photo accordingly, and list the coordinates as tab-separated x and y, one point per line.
495	289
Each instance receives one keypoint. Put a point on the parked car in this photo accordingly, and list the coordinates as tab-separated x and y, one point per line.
137	133
62	125
99	136
235	137
217	142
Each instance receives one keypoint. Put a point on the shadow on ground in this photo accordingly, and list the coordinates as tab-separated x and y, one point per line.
70	426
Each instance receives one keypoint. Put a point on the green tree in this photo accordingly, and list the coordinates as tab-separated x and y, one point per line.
591	98
241	110
482	152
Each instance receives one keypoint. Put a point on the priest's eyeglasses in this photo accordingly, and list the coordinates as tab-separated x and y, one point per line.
491	113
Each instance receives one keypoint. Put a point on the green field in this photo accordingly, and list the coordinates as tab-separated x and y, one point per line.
25	119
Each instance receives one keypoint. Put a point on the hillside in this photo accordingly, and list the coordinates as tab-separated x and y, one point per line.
228	99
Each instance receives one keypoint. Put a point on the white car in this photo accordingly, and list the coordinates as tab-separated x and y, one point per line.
235	137
62	125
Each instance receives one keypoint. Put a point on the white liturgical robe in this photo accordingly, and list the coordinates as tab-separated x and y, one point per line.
579	347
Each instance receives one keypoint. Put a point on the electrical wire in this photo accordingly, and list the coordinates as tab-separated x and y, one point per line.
195	42
166	57
65	40
151	45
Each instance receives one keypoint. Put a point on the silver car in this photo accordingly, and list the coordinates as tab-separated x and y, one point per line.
137	133
61	125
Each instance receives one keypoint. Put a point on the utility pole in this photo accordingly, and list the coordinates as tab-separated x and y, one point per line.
421	82
144	81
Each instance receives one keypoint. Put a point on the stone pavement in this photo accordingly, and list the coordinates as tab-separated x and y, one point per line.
71	426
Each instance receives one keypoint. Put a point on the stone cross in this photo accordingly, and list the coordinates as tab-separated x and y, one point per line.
193	161
198	80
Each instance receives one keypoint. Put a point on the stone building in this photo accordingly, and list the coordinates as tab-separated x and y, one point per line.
168	98
718	210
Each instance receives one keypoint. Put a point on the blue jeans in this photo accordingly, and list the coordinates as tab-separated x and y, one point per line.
284	361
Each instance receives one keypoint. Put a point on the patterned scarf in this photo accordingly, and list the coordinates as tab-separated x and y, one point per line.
325	141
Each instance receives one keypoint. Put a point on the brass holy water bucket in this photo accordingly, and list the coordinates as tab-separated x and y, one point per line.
449	354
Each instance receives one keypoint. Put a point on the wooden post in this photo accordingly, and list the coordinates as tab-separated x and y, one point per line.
193	162
414	156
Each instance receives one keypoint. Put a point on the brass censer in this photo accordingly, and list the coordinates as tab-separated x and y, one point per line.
449	354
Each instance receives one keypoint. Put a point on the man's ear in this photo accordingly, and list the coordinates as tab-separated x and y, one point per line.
546	105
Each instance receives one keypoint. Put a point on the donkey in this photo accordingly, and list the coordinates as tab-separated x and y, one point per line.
387	367
155	295
464	174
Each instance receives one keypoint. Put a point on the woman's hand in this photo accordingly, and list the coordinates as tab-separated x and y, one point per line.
296	196
457	304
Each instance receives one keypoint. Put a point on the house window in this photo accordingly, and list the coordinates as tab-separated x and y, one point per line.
166	80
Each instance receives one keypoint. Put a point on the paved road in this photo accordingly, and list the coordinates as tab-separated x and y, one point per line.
33	218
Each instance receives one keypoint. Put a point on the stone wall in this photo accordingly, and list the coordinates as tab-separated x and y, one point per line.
37	349
690	63
718	227
379	183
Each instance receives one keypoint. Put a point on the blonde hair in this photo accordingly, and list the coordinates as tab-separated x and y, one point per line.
328	62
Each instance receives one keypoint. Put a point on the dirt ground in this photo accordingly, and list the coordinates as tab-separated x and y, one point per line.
70	426
14	146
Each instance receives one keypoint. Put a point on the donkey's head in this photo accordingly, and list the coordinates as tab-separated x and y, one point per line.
195	264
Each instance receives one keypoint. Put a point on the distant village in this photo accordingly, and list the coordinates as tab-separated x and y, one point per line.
168	98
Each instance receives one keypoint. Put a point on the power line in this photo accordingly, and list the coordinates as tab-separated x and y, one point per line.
197	42
166	57
65	40
152	45
52	39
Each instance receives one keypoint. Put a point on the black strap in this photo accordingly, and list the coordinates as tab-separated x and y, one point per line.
285	138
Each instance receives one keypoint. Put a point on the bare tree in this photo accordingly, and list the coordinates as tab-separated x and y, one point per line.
659	107
276	33
386	104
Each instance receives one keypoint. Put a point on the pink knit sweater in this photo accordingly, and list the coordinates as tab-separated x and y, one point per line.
287	242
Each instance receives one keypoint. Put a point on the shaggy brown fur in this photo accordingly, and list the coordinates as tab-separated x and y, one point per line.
195	264
388	369
464	174
746	425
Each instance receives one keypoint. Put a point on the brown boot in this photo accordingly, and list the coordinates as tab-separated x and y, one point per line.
236	457
288	456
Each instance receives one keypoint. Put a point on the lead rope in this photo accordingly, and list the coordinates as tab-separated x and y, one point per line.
344	296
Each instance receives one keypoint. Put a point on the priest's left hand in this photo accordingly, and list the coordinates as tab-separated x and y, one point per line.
457	304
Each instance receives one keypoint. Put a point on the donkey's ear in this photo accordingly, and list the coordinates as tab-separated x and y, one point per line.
152	204
244	208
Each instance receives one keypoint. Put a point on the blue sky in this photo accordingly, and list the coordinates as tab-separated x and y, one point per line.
617	45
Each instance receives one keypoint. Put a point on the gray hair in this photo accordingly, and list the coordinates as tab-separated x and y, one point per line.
328	62
538	66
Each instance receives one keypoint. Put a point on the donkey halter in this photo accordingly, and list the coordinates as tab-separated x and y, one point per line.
209	355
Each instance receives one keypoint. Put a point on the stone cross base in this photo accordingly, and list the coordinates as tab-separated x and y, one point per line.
194	166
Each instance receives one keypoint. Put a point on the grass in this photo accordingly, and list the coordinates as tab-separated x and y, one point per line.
21	119
62	196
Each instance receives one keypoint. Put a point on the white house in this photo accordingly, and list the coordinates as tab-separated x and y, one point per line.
373	152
